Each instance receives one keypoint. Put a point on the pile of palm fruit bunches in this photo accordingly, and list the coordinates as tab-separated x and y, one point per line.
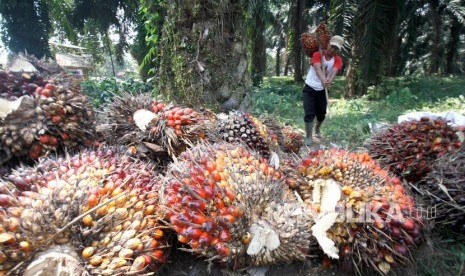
428	154
150	125
39	115
110	210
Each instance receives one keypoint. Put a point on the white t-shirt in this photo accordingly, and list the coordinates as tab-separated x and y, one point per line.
312	79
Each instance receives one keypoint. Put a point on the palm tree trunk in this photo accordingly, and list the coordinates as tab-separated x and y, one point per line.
277	66
452	46
297	9
258	66
203	54
436	36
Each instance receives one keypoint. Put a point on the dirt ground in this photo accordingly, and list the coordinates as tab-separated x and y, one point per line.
184	264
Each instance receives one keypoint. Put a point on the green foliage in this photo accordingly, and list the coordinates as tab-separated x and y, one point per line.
26	26
279	96
151	14
348	124
101	91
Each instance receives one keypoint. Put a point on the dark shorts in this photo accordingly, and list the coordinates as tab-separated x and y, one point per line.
314	104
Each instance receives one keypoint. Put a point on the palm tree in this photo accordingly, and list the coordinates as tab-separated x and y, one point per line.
203	54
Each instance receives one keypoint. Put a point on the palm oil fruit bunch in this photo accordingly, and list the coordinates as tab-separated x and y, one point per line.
41	115
375	220
292	139
309	43
288	138
239	127
146	122
229	205
323	35
444	189
409	148
313	41
100	207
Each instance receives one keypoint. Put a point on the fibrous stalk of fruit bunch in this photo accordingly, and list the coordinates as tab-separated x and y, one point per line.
38	115
316	39
150	124
99	206
374	222
229	205
410	148
444	188
288	138
240	127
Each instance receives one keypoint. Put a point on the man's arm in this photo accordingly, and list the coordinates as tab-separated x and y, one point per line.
319	73
331	76
336	67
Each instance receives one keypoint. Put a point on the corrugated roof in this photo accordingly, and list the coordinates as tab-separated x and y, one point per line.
74	61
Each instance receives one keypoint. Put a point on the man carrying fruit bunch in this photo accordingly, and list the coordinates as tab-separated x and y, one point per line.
319	77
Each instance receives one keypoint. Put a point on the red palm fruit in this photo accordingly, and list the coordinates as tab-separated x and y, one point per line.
224	236
222	248
205	239
44	139
193	233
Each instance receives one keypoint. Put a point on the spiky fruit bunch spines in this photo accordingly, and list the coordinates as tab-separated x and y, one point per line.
231	206
445	189
99	204
244	128
42	115
377	222
146	122
319	39
409	148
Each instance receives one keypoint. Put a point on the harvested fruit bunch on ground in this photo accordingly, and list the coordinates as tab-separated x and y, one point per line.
98	212
38	115
312	42
288	138
292	139
142	121
410	148
239	127
232	207
370	217
445	190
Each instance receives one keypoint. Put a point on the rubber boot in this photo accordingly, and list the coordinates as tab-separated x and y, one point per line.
308	133
317	129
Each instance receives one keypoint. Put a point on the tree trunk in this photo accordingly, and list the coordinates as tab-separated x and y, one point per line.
452	46
287	64
258	66
297	9
436	36
355	84
203	59
394	43
277	67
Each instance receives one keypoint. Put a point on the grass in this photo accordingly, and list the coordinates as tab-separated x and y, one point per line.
348	124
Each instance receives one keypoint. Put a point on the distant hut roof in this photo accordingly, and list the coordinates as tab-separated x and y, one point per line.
73	61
